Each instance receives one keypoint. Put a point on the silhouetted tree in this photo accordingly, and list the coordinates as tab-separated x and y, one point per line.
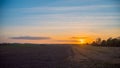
94	43
98	41
103	43
109	42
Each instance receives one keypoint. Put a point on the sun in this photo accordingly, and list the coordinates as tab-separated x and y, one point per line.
82	41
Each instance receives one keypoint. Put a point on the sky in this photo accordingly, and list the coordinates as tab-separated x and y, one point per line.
58	21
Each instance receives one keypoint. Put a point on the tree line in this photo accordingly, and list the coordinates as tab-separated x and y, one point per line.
110	42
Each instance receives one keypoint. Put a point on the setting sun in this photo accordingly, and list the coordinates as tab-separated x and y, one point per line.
82	41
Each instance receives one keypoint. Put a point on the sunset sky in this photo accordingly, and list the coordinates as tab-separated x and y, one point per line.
58	21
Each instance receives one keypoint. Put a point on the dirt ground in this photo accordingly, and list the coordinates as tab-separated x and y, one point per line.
59	56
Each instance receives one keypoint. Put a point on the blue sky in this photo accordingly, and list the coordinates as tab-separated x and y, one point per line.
59	18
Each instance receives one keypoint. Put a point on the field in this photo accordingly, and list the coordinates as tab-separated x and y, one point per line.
58	56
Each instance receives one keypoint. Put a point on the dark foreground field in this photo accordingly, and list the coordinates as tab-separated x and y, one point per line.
58	56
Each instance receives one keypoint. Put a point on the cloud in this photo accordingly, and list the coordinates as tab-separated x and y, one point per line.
30	38
66	40
79	37
67	8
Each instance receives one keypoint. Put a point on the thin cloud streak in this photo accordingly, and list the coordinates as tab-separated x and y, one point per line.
30	38
79	37
71	17
66	8
66	41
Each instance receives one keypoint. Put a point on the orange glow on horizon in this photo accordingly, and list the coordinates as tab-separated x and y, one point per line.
82	41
